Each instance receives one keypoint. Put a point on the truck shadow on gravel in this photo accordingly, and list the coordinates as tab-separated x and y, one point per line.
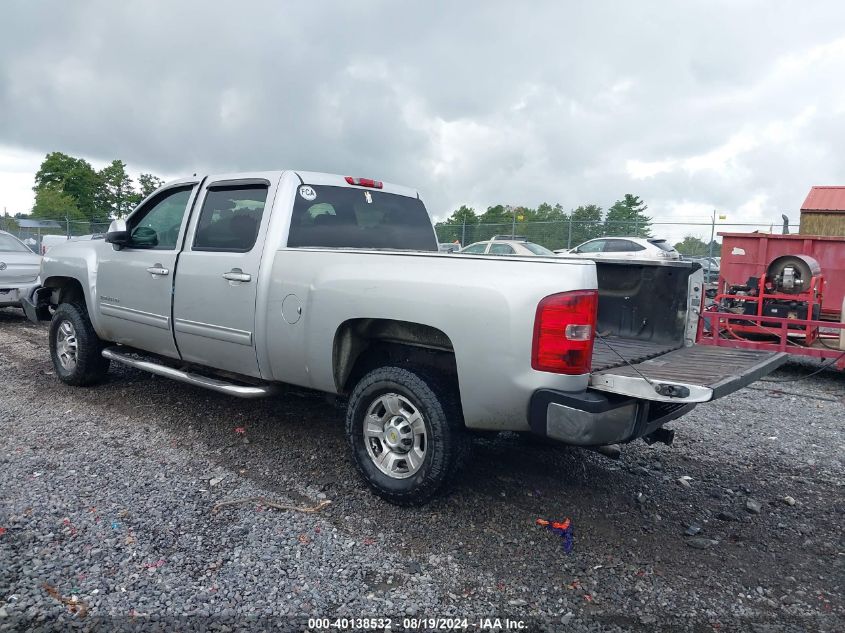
629	516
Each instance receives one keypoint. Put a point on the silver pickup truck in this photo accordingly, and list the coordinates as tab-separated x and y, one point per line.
242	282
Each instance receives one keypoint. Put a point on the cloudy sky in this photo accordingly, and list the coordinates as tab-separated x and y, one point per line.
731	105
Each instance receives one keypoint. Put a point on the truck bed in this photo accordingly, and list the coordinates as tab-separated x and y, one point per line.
612	351
642	310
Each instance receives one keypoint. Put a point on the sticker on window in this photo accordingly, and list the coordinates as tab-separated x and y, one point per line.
368	197
307	193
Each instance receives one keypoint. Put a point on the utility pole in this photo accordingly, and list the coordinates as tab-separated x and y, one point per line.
712	240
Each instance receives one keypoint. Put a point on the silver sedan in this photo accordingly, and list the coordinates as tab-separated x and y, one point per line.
19	269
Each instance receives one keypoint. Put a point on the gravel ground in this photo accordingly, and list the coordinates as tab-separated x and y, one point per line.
106	498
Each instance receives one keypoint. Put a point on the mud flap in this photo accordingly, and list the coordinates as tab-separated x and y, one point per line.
36	305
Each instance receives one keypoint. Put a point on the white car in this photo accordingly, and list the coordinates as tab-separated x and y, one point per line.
507	245
19	268
48	241
623	248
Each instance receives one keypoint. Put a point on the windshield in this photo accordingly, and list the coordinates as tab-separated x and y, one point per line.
537	249
11	244
346	217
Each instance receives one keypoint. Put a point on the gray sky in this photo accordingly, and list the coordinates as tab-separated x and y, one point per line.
693	106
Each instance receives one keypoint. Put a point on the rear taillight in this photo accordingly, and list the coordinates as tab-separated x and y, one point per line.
564	330
365	182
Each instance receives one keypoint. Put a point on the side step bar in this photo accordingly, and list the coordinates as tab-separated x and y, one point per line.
215	384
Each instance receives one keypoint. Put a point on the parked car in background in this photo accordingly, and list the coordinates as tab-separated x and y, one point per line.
507	245
49	241
710	266
448	247
19	269
623	248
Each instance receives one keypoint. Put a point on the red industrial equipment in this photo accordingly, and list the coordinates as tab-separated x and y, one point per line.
779	293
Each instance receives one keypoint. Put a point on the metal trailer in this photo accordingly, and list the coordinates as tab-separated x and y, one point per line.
765	314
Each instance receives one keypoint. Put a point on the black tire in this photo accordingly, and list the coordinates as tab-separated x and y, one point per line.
446	438
90	366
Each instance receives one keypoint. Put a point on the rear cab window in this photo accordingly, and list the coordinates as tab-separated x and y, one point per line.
346	217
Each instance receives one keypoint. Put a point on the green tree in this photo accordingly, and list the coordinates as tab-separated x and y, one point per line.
586	224
72	176
53	204
462	215
147	183
458	227
116	195
717	249
497	214
548	213
692	246
627	217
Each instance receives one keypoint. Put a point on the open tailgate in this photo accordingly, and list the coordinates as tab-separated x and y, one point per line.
690	374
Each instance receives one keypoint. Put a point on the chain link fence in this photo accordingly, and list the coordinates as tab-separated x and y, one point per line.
34	237
553	235
567	234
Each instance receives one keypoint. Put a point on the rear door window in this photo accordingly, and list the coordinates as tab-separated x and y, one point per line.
501	249
622	246
346	217
230	218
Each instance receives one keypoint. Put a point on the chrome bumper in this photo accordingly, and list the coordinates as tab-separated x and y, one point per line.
591	418
15	296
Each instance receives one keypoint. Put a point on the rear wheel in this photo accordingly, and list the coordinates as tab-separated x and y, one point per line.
75	348
406	434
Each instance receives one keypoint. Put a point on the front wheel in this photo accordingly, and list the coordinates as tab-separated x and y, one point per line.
75	348
406	434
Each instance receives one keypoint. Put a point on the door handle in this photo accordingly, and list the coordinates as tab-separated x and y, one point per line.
236	274
158	269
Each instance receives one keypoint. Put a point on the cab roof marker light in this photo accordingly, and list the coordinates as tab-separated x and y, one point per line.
365	182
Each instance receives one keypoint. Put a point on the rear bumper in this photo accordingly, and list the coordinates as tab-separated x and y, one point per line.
591	418
15	296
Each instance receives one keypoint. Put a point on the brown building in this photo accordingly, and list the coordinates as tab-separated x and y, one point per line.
823	212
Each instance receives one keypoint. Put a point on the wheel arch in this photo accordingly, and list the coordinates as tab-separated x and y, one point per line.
65	290
365	343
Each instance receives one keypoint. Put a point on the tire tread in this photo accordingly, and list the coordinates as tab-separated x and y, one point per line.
91	367
439	399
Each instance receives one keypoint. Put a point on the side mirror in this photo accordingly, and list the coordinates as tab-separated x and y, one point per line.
118	234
